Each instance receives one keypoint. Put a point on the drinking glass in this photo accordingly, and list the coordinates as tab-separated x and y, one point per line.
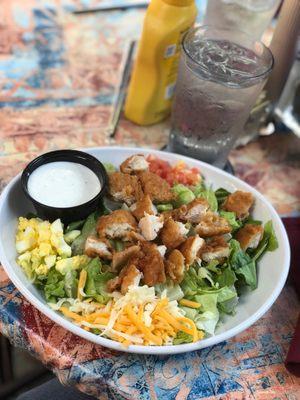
250	16
218	82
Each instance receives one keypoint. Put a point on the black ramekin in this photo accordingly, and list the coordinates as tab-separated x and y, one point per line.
66	214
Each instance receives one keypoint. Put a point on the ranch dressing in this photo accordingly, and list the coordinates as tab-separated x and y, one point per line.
63	184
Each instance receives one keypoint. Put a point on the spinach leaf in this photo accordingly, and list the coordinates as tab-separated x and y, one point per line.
221	195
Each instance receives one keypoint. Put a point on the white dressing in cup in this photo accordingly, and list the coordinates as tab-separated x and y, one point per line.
63	184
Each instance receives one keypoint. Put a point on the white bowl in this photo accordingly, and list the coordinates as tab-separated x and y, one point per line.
272	269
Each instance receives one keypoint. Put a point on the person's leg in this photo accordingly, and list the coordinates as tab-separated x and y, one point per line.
54	390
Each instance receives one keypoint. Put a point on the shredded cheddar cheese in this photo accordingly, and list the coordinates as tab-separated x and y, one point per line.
189	303
139	317
81	284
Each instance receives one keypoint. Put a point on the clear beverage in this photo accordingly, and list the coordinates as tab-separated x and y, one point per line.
250	16
218	83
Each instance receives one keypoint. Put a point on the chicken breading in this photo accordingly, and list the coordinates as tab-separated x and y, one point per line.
150	225
120	258
135	237
129	275
118	224
249	236
156	187
212	224
144	205
193	211
151	263
95	247
215	249
173	233
113	284
124	187
240	203
190	249
174	266
134	164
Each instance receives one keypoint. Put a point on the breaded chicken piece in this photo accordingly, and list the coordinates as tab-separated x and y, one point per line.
144	205
134	164
95	247
175	266
135	237
157	188
212	224
151	263
129	275
240	203
173	233
215	249
120	258
190	248
249	236
113	284
193	211
124	187
118	224
150	225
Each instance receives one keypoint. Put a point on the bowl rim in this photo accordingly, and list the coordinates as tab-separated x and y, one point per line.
155	350
48	158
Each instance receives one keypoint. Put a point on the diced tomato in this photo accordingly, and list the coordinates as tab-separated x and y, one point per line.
179	173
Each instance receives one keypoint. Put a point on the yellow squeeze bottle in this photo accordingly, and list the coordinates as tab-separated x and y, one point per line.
154	73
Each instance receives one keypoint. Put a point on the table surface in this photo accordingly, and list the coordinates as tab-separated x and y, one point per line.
58	74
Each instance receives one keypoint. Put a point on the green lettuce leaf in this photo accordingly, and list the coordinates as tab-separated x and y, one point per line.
95	286
231	218
195	280
182	337
75	225
243	266
208	194
71	283
269	242
227	300
184	195
109	168
55	286
173	290
226	278
209	317
89	228
221	195
212	266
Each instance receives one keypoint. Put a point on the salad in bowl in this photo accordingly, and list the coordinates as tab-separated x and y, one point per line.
160	262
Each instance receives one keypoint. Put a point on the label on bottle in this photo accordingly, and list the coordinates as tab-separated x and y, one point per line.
171	55
170	91
170	50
